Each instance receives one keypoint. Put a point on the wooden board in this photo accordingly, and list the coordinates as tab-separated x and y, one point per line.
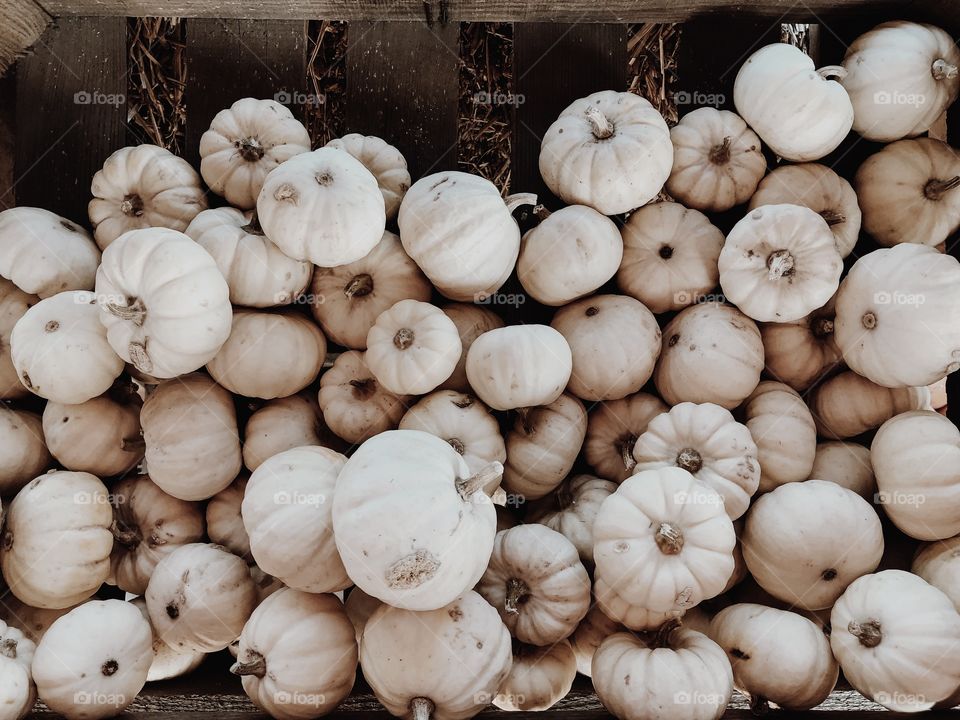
402	85
71	109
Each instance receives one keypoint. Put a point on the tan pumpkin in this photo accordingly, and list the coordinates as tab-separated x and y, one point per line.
663	541
785	433
626	614
269	355
939	564
14	302
708	443
360	607
347	300
167	662
472	321
542	447
848	465
384	161
17	690
614	341
848	404
32	622
224	521
571	253
23	451
801	352
537	583
355	406
147	526
590	633
612	430
806	541
819	188
192	441
539	677
283	424
704	342
669	256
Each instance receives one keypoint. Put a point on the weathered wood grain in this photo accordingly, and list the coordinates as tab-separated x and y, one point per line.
21	24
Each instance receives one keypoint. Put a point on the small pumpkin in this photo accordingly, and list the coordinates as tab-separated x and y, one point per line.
801	113
717	160
17	690
704	342
708	443
778	657
14	302
612	430
347	300
804	542
848	404
412	347
192	441
360	607
283	424
895	316
224	520
569	254
32	622
94	660
286	510
459	230
663	541
939	564
900	77
405	562
542	447
537	583
669	256
539	677
384	161
167	662
814	186
627	614
614	341
472	321
519	366
23	451
355	406
902	660
163	301
676	674
780	263
848	465
38	569
60	349
257	273
610	150
244	143
147	526
802	352
590	633
323	206
785	433
199	597
298	655
443	664
144	186
464	422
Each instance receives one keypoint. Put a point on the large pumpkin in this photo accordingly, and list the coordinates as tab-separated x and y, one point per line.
612	430
23	450
785	433
384	161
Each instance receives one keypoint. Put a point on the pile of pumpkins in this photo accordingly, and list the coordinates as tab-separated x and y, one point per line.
675	489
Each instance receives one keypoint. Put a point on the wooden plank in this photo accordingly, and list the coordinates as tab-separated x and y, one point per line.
403	85
71	109
8	106
232	59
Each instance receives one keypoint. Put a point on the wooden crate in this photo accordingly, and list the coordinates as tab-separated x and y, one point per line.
402	84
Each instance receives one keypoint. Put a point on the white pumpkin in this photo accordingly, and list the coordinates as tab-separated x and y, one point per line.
328	184
780	263
144	186
94	660
895	636
393	555
224	521
32	622
283	424
628	615
287	507
802	352
801	113
167	662
38	568
848	465
23	450
384	161
848	404
590	633
785	433
347	300
14	302
459	230
163	301
814	186
896	316
244	143
472	321
717	160
612	430
669	256
571	253
610	150
519	366
60	350
900	77
17	690
257	273
806	541
539	677
939	564
44	254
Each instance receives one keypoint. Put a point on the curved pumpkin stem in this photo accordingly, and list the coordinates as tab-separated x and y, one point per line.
626	452
669	539
541	212
517	199
256	667
942	70
484	481
832	217
421	708
832	72
602	128
720	155
135	311
662	637
517	590
935	189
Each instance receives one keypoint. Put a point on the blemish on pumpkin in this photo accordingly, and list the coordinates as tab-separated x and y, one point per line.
109	667
8	540
455	613
51	326
479	644
286	193
673	340
666	252
324	179
626	680
591	311
25	376
621	547
68	226
412	570
173	612
739	654
464	401
829	574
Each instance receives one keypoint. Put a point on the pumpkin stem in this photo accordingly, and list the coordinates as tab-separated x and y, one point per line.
662	637
132	205
329	360
253	227
780	264
8	648
523	415
359	286
484	481
457	444
138	356
690	460
250	149
832	217
869	320
133	444
831	72
257	666
822	327
942	70
626	452
720	155
669	539
403	339
759	705
517	199
934	189
541	212
869	633
602	128
125	536
134	311
363	389
421	708
517	591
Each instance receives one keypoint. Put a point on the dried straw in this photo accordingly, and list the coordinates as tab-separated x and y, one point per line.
156	79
